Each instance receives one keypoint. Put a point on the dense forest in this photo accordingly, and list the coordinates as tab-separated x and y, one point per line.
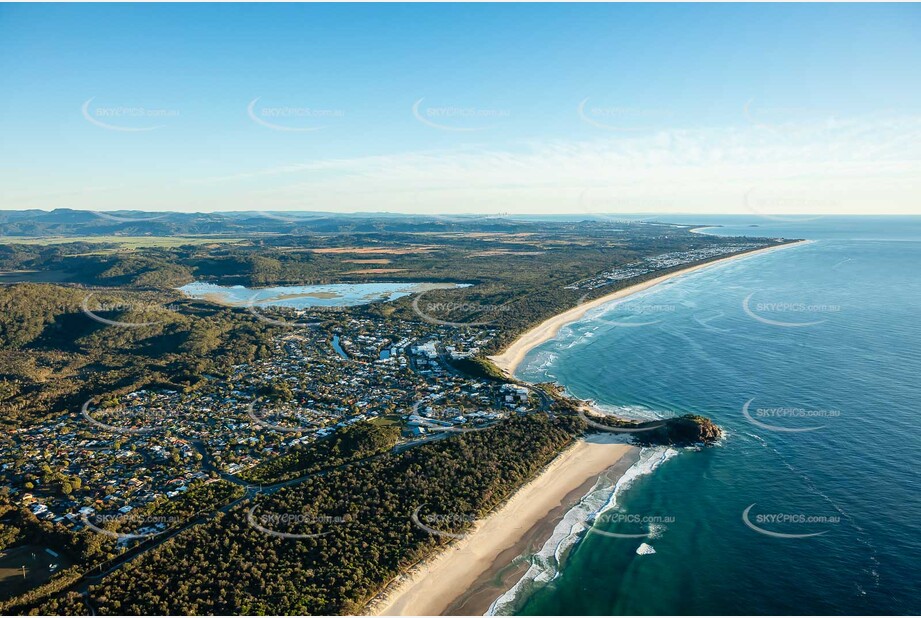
53	357
52	353
362	515
350	496
348	444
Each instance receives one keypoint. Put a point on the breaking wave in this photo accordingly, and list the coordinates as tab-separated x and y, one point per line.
546	562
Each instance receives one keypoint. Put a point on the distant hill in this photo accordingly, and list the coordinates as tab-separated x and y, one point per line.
68	222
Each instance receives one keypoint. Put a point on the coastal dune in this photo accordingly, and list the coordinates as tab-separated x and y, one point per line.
436	585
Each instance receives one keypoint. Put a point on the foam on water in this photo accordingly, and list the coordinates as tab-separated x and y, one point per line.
709	357
544	360
645	549
631	412
546	563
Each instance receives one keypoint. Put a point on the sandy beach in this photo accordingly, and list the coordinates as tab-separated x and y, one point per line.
457	578
509	360
466	576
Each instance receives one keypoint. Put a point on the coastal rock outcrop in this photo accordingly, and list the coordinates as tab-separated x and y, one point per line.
681	431
685	430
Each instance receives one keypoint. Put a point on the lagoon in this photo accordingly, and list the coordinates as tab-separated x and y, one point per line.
305	296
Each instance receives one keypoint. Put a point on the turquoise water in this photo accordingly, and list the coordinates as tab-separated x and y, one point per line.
829	342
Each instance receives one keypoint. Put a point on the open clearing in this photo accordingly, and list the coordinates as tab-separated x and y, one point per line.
504	252
38	563
377	250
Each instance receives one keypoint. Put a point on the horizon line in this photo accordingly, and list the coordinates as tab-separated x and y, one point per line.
503	215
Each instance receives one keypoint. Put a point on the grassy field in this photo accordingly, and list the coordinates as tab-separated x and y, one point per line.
124	242
383	421
37	562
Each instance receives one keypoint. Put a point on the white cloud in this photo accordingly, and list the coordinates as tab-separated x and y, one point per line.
870	165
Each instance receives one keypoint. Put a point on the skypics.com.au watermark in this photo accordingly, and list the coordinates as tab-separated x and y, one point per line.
635	314
125	219
620	118
457	118
150	418
771	524
760	310
124	307
142	526
458	314
292	218
440	524
250	411
298	119
653	524
253	307
436	427
760	416
127	119
280	524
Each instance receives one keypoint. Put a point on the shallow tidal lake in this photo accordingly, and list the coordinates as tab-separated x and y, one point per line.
304	296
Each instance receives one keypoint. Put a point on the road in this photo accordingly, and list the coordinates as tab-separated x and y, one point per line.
251	491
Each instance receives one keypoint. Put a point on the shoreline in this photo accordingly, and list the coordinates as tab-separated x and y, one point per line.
466	576
509	359
511	565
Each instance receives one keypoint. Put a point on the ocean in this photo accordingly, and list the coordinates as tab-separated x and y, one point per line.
810	359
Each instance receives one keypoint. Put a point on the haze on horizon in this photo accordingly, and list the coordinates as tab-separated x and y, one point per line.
489	109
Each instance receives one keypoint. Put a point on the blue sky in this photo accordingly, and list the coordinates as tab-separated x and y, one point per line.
462	108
